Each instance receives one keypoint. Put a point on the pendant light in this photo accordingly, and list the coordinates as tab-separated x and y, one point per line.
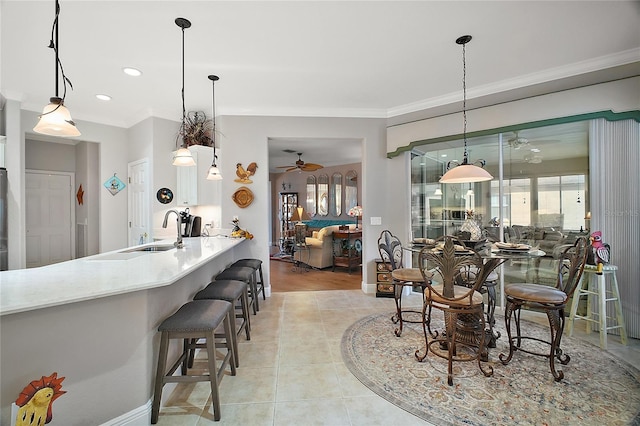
214	172
55	119
183	156
465	171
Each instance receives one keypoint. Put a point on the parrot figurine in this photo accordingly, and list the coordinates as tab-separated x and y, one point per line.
600	251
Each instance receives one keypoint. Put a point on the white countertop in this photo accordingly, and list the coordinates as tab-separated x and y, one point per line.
105	274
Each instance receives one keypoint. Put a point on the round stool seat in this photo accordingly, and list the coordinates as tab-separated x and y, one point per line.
229	290
251	263
197	315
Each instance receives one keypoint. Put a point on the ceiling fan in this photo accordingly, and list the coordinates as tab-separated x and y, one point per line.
305	167
517	142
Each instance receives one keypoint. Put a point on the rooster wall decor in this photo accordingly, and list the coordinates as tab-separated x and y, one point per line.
243	175
600	252
36	400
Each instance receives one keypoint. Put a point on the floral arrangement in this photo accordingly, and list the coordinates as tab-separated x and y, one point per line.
355	211
197	129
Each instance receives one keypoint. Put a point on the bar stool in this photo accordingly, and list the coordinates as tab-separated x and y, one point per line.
246	275
598	289
232	291
256	264
195	320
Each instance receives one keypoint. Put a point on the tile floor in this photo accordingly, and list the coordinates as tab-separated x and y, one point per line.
291	371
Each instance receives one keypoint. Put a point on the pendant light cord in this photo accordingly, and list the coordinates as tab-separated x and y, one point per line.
54	44
213	79
464	102
184	112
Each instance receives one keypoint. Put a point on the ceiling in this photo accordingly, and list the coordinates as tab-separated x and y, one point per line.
379	59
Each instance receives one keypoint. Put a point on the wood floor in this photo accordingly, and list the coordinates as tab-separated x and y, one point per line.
285	278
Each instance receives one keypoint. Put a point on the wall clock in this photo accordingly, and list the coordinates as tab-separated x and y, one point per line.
164	195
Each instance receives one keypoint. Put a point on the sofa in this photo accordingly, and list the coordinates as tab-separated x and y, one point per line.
320	246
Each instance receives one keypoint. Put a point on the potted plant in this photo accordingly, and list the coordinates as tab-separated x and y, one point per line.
197	129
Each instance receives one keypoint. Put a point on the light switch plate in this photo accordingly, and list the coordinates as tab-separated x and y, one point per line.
375	220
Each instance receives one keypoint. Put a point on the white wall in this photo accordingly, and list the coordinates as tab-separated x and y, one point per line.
244	139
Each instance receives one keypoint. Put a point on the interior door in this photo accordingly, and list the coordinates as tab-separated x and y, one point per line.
139	220
49	217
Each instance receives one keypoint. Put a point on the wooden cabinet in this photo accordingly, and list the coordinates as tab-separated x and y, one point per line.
193	188
384	287
347	249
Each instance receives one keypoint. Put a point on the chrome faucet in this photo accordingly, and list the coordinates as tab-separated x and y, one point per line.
178	243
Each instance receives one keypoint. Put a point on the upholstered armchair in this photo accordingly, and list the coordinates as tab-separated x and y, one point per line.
321	246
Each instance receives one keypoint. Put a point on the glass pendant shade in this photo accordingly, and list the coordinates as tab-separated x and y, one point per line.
56	120
214	173
466	173
183	157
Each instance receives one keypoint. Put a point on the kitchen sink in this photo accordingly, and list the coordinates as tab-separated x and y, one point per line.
153	248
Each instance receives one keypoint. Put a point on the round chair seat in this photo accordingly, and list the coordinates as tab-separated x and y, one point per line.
407	274
536	293
458	291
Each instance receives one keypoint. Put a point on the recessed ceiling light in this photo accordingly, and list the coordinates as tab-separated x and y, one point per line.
103	97
443	155
132	71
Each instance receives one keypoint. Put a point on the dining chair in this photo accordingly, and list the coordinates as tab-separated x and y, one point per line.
391	253
550	299
460	301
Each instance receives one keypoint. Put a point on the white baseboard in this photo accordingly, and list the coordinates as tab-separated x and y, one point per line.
137	417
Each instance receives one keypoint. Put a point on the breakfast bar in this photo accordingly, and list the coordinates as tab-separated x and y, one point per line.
94	321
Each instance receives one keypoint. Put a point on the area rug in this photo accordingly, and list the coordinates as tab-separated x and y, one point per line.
597	389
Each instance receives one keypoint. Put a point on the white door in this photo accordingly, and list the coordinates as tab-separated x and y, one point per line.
139	220
49	217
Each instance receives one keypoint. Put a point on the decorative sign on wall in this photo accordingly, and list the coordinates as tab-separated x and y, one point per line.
34	404
243	197
79	195
114	185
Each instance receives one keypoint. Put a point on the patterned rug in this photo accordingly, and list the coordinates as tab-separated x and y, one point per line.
597	388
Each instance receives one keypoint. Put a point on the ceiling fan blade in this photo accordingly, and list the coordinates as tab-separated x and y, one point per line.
284	167
291	168
310	167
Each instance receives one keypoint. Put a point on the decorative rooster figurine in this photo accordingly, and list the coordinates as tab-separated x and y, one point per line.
36	399
601	251
244	175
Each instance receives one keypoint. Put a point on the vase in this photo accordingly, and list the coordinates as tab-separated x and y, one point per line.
472	227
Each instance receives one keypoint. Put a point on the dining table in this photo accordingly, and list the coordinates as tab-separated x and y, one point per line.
493	255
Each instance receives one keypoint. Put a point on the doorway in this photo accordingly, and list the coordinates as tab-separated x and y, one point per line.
49	216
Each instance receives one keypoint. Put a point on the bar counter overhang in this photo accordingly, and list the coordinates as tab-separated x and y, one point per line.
94	321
